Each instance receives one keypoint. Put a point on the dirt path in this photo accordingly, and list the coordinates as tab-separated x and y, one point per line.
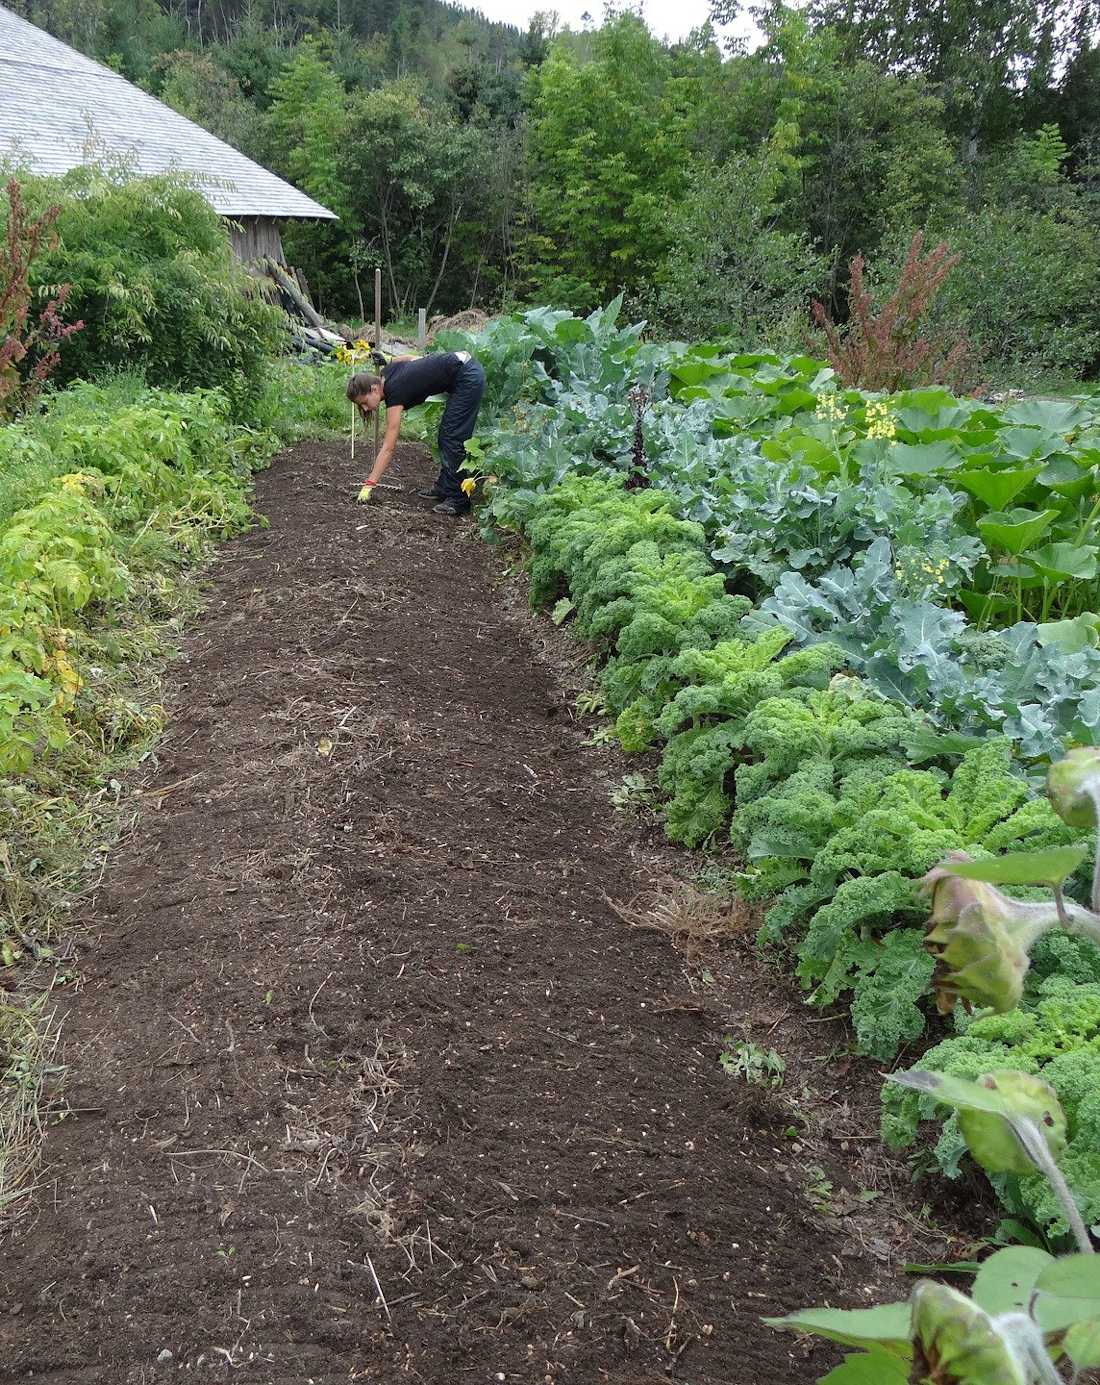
356	1017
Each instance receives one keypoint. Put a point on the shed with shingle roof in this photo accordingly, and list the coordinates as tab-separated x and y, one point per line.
60	109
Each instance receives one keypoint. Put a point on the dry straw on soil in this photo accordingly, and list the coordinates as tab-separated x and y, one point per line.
28	1044
692	919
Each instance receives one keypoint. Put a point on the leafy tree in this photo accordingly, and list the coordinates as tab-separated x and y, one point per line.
483	93
306	134
307	128
415	172
731	270
1077	109
608	150
864	151
1028	294
485	262
535	44
1029	277
255	60
199	87
977	53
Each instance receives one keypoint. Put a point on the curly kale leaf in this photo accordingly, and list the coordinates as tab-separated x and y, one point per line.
904	1110
634	728
678	583
795	820
745	676
584	524
784	732
790	909
732	699
885	1006
1069	1019
1060	1041
908	823
1059	954
1080	1165
694	770
831	953
732	677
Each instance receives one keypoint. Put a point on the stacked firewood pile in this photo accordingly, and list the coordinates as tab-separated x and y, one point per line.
311	334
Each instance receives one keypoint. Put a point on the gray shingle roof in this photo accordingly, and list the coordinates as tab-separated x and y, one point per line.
59	109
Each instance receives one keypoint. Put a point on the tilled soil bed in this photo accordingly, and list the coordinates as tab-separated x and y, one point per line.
368	1081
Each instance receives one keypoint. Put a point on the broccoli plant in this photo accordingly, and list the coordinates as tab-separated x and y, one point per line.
1030	1312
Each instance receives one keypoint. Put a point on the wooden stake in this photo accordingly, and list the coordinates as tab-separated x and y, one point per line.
377	340
353	430
422	328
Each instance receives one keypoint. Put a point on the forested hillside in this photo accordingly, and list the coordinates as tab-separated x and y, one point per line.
720	189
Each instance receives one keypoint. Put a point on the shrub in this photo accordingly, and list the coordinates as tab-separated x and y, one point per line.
1026	294
148	478
1028	298
157	285
731	269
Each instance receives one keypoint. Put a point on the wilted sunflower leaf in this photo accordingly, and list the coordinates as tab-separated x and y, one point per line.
980	939
1068	1292
987	1109
956	1343
1082	1344
1073	784
886	1326
1050	866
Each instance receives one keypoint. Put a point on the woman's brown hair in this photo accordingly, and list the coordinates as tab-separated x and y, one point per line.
362	382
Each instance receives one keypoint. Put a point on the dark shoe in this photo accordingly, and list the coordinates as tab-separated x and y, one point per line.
454	508
431	494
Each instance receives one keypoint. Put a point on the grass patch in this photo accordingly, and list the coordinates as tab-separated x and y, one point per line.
305	401
308	401
690	918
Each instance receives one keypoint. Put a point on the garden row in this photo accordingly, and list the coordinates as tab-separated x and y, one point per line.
102	498
949	547
839	782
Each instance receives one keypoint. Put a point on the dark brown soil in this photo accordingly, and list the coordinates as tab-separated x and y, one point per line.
357	1020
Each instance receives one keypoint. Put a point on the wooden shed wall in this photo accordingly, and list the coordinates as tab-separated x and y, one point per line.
256	236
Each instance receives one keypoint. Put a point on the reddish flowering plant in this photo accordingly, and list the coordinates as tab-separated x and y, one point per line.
892	347
22	334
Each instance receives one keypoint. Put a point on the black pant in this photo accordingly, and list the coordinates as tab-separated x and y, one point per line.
456	427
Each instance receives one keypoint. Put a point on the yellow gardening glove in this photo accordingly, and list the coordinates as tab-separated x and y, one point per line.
364	494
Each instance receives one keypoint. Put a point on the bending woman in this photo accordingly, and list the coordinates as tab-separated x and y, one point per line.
408	381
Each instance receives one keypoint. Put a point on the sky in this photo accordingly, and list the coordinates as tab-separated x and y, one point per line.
668	18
